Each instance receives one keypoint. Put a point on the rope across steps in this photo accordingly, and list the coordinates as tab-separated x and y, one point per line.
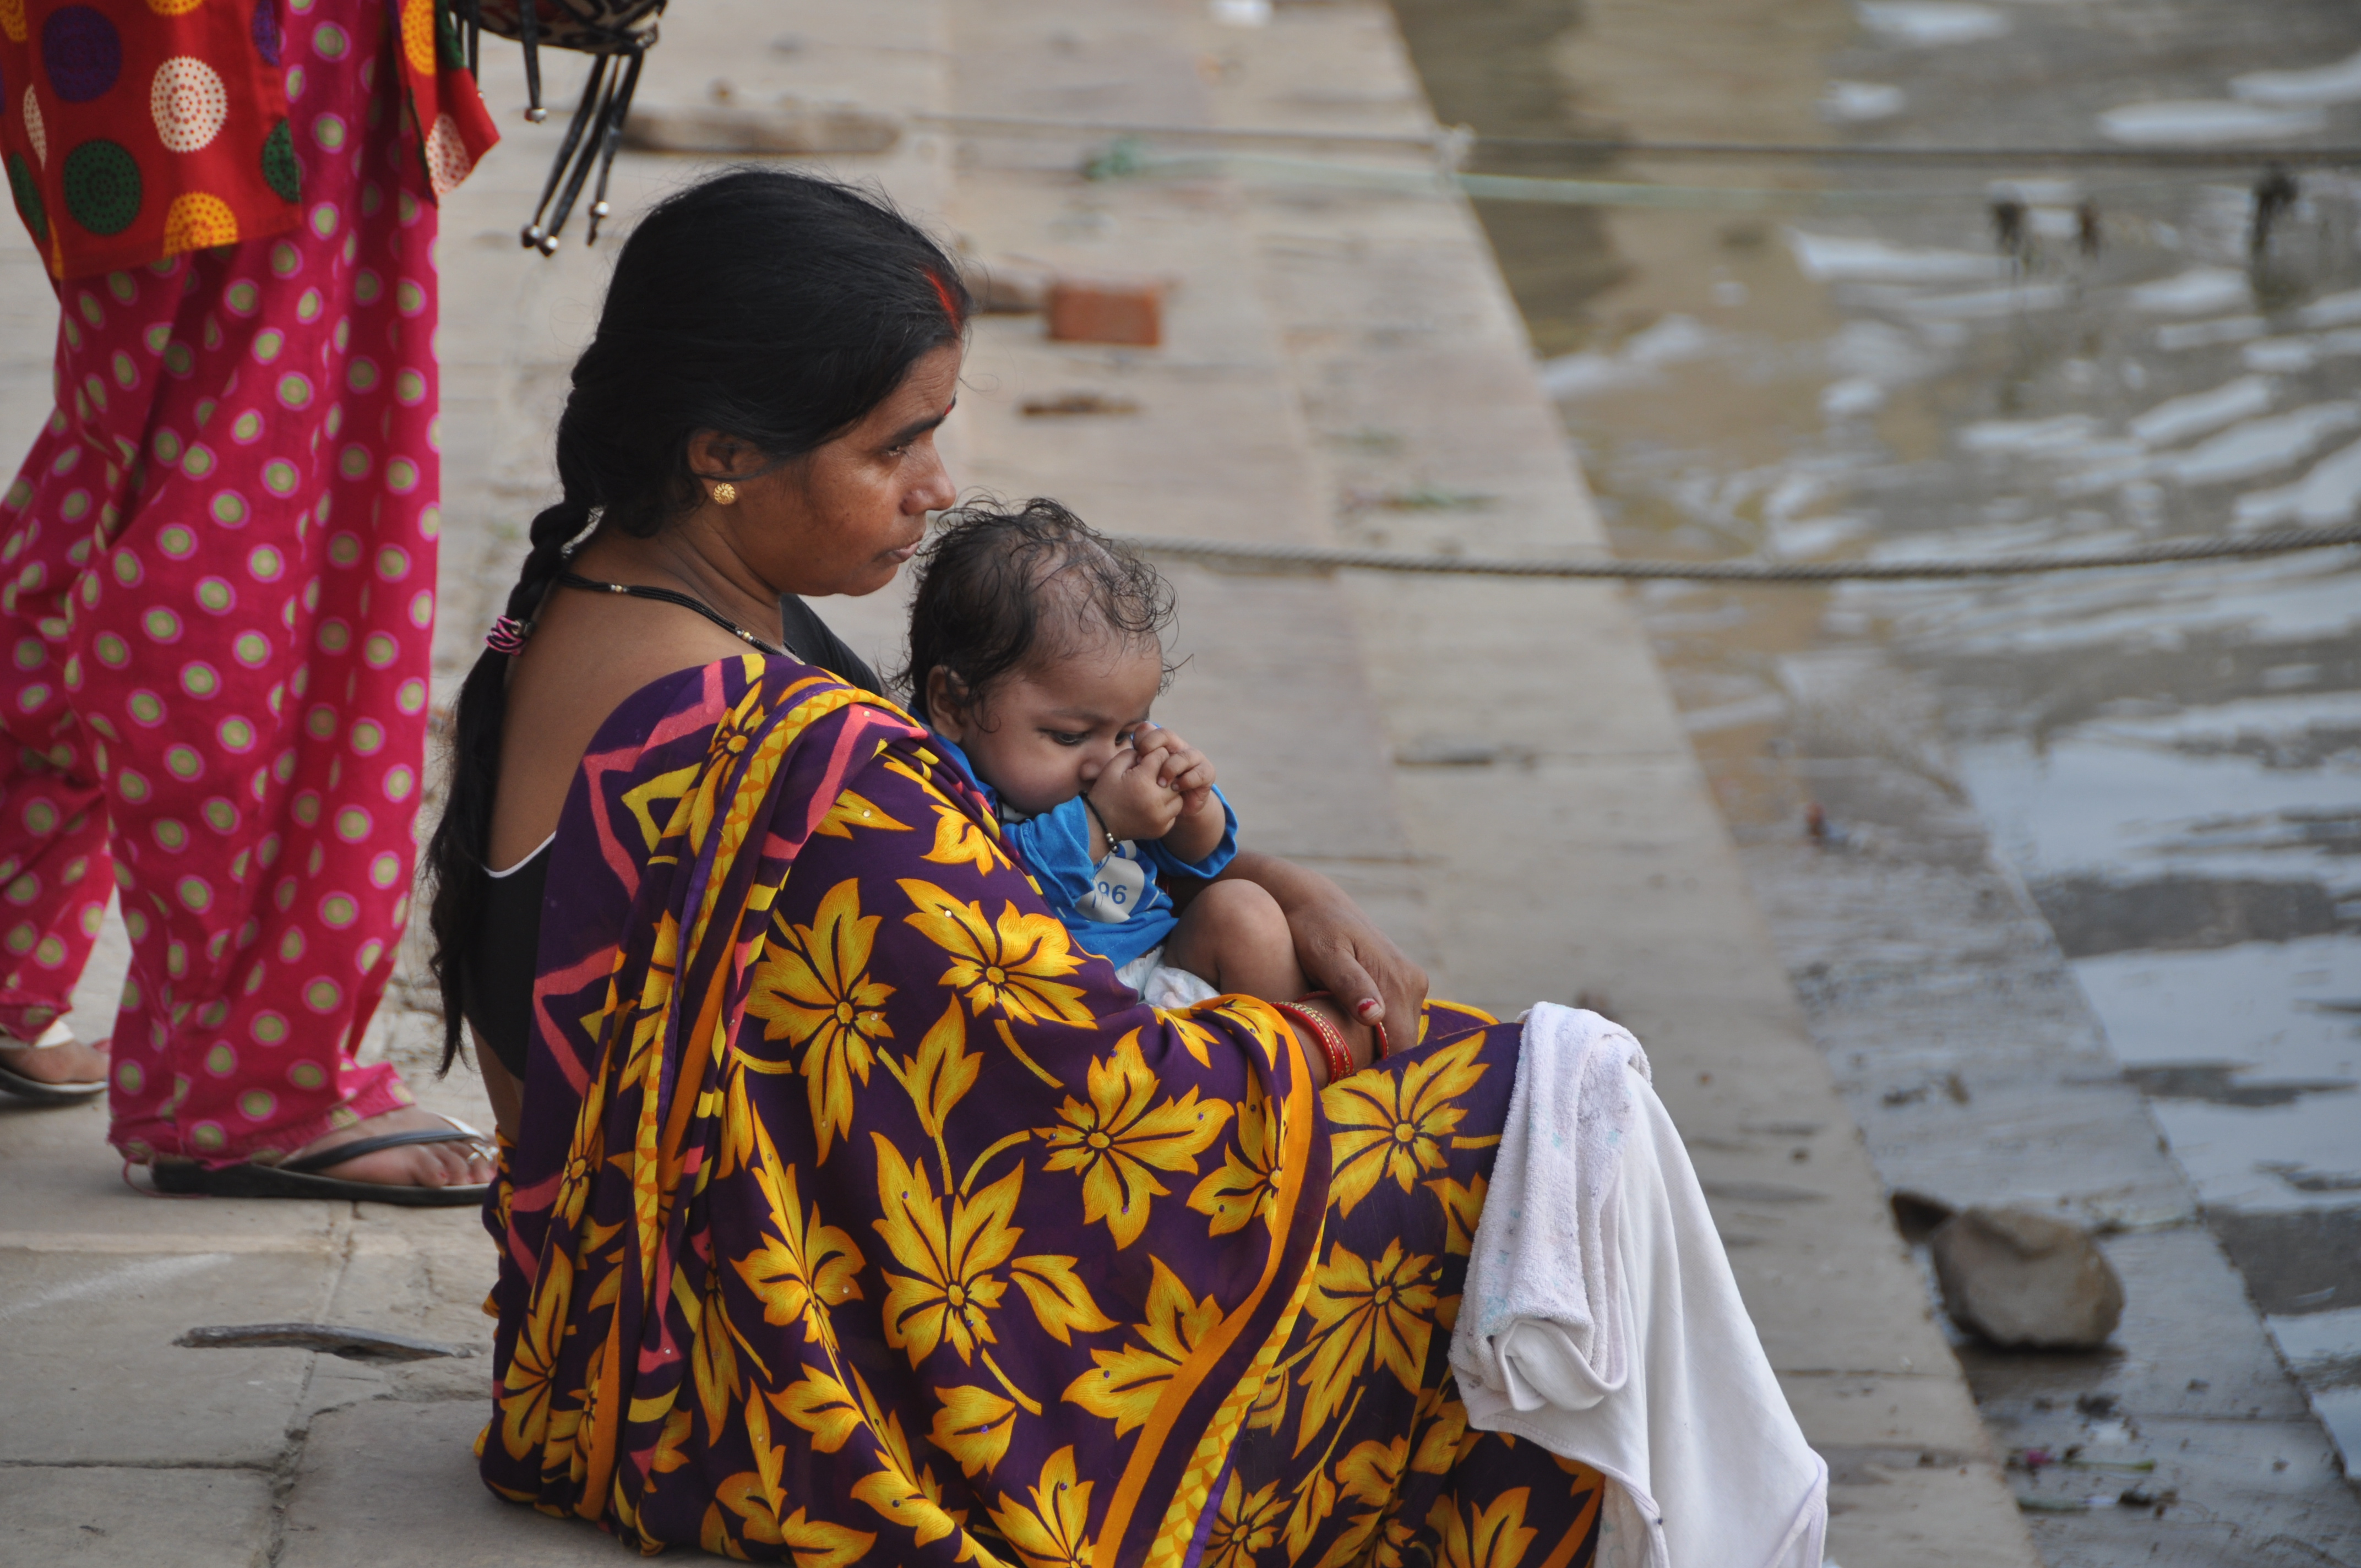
2165	552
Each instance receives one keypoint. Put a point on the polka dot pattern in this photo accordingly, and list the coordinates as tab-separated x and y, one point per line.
447	162
188	102
198	222
37	131
28	196
418	34
103	187
214	687
280	170
265	31
81	54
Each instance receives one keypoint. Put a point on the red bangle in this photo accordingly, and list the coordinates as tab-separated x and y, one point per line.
1377	1029
1340	1061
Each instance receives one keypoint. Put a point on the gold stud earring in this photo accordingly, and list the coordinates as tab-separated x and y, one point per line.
725	493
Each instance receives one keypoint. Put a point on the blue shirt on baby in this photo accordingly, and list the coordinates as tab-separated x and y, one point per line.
1115	907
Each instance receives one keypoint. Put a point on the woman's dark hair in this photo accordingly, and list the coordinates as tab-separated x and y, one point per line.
999	589
775	308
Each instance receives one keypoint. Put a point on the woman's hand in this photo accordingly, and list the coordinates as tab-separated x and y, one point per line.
1360	1040
1342	952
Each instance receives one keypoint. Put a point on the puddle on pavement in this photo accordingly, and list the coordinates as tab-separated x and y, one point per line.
1897	362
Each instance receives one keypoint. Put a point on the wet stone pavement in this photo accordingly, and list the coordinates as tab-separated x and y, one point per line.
2065	870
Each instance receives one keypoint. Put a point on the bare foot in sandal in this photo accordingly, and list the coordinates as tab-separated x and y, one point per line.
62	1072
417	1164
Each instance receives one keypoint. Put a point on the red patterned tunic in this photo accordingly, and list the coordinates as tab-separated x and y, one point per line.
136	129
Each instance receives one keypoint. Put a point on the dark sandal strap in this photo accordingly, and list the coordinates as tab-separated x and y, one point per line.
311	1164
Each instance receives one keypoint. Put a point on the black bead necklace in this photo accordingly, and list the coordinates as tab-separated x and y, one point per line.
570	580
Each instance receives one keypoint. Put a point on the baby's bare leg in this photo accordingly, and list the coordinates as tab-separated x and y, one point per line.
1235	936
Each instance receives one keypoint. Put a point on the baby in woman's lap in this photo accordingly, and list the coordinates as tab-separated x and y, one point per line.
1036	653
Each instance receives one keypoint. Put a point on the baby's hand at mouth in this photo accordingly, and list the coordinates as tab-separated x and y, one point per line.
1132	801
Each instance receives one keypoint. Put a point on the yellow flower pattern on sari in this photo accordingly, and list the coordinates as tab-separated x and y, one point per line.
961	840
1117	1141
1492	1535
816	993
1013	965
852	811
1127	1383
1363	1308
1397	1125
1240	1191
810	1267
954	1284
1247	1524
1046	1531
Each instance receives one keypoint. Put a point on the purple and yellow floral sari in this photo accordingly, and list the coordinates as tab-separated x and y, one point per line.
857	1216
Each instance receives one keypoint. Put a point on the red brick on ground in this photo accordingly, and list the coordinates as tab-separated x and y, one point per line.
1106	311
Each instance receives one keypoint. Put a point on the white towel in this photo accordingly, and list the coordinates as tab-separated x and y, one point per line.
1600	1320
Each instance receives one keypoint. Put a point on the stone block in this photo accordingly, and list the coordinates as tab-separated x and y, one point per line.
94	1378
393	1484
99	1516
2017	1278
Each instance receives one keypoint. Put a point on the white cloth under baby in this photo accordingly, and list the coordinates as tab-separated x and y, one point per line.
1601	1320
1161	985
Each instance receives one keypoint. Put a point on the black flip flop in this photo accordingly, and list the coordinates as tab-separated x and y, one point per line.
26	1088
297	1178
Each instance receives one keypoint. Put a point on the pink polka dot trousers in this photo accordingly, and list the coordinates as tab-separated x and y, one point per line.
218	606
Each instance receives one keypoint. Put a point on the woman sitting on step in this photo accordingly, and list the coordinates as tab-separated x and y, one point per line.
849	1211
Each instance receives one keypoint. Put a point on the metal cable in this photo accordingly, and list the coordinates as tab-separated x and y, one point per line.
1550	190
1454	142
2197	157
1310	557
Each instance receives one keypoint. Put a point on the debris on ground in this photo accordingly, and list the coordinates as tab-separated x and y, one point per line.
1415	498
1064	404
329	1339
2020	1279
1007	285
793	127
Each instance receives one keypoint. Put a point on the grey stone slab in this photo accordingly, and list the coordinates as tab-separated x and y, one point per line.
425	1275
1904	1514
2266	1493
68	1187
394	1483
94	1378
100	1517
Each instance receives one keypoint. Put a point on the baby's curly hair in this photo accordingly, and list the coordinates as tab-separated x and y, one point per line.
1000	589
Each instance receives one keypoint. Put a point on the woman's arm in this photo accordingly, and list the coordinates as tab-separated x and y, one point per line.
1338	946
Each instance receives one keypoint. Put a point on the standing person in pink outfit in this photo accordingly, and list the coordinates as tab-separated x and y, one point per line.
218	573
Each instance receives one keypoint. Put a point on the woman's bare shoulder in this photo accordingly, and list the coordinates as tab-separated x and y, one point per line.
589	655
